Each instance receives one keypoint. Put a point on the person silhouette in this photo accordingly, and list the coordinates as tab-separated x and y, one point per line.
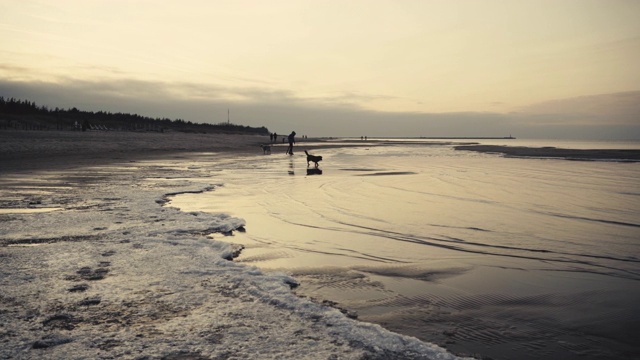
292	141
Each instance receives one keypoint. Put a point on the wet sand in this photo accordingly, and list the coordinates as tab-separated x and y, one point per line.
118	275
33	150
552	152
30	151
492	301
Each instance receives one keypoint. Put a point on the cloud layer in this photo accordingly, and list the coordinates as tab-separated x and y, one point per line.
590	117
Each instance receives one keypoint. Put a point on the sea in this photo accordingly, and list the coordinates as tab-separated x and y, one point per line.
490	256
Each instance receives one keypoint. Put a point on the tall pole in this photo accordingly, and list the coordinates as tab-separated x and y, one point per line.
228	121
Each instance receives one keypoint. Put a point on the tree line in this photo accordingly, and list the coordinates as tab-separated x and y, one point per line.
27	115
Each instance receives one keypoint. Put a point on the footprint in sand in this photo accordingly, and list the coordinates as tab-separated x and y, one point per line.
89	274
90	301
78	288
61	321
51	341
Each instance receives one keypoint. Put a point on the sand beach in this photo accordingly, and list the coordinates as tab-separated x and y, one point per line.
465	181
94	266
556	153
150	245
23	150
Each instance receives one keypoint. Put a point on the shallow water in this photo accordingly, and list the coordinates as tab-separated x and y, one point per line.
482	254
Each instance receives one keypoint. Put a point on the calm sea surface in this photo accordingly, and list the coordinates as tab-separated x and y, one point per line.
485	255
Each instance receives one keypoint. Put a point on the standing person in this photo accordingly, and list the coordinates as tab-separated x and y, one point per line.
292	141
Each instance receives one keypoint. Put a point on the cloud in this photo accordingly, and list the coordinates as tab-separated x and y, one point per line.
622	108
338	115
11	68
277	109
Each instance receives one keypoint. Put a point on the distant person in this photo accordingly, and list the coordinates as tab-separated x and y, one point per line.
292	140
275	137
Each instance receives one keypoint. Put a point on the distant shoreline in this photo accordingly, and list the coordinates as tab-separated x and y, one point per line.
621	155
371	138
22	150
466	138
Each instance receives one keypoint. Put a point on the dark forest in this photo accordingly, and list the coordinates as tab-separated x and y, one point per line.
17	114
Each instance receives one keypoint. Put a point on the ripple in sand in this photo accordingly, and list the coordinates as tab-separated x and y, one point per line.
264	257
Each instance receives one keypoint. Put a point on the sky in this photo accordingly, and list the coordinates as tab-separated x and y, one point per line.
527	68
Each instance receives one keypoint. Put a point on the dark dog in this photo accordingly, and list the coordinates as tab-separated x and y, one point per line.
266	149
313	158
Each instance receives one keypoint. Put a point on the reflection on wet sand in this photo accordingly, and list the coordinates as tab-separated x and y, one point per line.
630	155
484	255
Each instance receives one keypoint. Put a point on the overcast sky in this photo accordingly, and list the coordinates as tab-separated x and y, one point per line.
529	68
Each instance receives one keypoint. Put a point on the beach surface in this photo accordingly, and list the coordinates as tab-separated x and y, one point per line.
35	150
200	246
499	257
94	265
632	155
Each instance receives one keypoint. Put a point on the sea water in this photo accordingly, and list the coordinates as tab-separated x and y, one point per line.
482	254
